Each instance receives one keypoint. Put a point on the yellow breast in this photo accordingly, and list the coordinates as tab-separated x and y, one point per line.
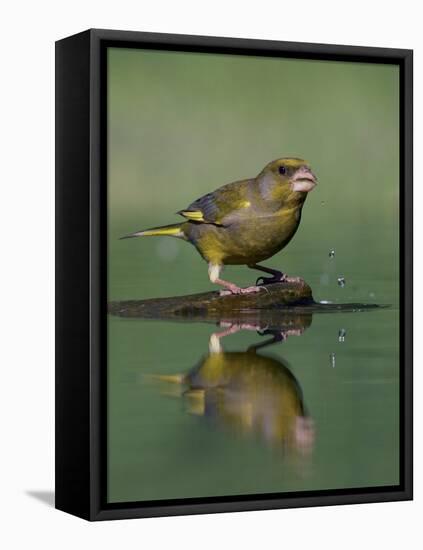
247	241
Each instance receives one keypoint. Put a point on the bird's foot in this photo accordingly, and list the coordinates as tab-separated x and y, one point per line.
279	278
234	289
251	289
285	334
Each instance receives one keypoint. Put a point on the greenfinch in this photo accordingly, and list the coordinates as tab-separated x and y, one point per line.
245	222
246	391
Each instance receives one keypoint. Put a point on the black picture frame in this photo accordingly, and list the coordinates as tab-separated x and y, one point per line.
81	277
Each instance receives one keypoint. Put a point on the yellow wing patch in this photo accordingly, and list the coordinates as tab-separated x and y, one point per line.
194	215
197	216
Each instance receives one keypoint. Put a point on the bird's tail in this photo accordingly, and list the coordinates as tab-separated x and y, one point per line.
174	230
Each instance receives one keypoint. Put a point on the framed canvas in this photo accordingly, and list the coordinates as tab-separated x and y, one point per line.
285	380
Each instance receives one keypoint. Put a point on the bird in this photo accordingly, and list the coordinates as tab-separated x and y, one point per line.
245	222
248	392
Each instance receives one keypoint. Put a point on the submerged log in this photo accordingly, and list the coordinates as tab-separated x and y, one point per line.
276	304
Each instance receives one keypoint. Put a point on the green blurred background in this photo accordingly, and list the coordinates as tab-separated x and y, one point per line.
182	124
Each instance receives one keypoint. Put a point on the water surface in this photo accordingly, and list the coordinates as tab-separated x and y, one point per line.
308	412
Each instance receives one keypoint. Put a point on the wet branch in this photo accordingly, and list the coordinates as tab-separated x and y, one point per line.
277	303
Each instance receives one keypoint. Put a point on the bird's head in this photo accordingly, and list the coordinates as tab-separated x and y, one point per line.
286	181
292	173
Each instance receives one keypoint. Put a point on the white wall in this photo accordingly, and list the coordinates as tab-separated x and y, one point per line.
28	32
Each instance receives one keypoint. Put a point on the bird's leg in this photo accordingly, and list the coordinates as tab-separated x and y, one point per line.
214	341
232	288
277	276
276	337
230	328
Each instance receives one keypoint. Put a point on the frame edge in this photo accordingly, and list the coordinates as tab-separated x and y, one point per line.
72	388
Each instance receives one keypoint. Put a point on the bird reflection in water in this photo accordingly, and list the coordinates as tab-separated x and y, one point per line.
248	391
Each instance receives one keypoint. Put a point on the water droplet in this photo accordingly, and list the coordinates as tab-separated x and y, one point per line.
331	253
372	294
332	359
322	203
341	282
341	335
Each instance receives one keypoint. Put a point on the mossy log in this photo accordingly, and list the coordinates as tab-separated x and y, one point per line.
276	304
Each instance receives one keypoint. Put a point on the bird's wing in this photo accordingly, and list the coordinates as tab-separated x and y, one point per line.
222	206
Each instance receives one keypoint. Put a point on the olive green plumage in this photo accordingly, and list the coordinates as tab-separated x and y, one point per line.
224	386
246	221
247	391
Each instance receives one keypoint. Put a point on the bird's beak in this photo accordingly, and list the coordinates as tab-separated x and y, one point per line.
303	180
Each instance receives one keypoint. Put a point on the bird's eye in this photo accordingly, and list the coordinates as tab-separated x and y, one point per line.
282	170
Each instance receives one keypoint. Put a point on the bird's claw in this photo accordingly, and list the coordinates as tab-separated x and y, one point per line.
282	278
261	281
262	331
